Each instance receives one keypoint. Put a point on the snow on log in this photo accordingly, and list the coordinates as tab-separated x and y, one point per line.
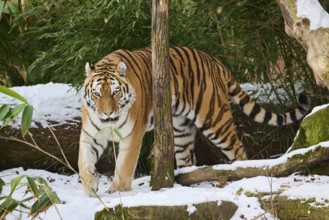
282	166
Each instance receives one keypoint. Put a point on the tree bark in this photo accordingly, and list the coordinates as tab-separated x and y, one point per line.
293	164
315	42
163	156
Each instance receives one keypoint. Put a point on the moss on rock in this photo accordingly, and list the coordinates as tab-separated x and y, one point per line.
207	210
297	209
313	130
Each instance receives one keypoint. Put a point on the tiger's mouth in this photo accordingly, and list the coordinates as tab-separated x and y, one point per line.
109	119
114	117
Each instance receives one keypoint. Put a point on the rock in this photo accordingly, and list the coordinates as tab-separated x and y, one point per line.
313	129
294	209
207	210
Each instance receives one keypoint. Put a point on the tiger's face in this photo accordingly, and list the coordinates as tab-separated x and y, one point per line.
107	91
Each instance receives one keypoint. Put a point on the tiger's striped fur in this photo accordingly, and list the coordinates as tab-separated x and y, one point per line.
118	95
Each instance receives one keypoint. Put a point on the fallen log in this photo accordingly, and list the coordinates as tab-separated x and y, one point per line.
18	151
285	165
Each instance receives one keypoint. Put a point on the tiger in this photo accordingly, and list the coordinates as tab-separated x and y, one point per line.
117	96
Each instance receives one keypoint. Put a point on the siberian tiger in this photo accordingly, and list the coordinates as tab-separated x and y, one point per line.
117	94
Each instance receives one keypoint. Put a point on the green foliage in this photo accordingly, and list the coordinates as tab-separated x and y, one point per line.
42	197
85	32
2	183
8	113
53	40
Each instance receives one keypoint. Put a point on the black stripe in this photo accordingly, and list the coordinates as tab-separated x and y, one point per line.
302	110
177	130
279	119
196	62
92	123
268	116
182	135
184	146
178	53
293	116
125	121
244	101
236	90
96	152
255	110
94	140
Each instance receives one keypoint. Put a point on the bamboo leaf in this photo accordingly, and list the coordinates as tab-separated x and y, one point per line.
4	111
117	132
2	4
40	205
12	93
2	183
14	9
45	202
13	113
7	207
14	183
33	186
26	119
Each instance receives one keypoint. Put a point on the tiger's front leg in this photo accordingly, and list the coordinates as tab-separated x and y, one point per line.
90	150
126	162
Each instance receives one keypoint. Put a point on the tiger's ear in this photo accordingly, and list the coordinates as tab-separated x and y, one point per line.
121	69
89	68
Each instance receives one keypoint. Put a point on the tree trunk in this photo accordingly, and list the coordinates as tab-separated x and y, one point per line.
163	156
315	42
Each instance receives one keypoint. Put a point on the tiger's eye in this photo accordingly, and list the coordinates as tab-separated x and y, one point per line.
115	92
97	94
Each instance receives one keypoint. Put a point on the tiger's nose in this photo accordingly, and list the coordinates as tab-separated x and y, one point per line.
108	113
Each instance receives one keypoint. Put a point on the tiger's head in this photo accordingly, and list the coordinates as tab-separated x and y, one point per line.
106	91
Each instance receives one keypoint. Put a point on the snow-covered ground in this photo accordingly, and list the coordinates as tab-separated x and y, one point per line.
54	102
61	103
76	205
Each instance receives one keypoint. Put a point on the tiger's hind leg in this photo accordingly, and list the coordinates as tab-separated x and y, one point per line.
184	137
222	133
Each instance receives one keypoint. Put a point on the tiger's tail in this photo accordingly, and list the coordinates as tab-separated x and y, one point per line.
239	97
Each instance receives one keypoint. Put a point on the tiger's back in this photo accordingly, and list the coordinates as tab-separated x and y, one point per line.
201	88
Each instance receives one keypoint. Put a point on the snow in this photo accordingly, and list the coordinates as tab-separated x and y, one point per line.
313	10
317	108
78	206
61	103
257	163
263	93
54	102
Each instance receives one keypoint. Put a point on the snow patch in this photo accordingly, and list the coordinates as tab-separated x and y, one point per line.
53	102
313	10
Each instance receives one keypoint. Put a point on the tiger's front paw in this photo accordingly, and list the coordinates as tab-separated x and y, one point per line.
90	183
118	185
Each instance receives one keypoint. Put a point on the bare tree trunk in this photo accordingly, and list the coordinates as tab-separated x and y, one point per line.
163	156
315	42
